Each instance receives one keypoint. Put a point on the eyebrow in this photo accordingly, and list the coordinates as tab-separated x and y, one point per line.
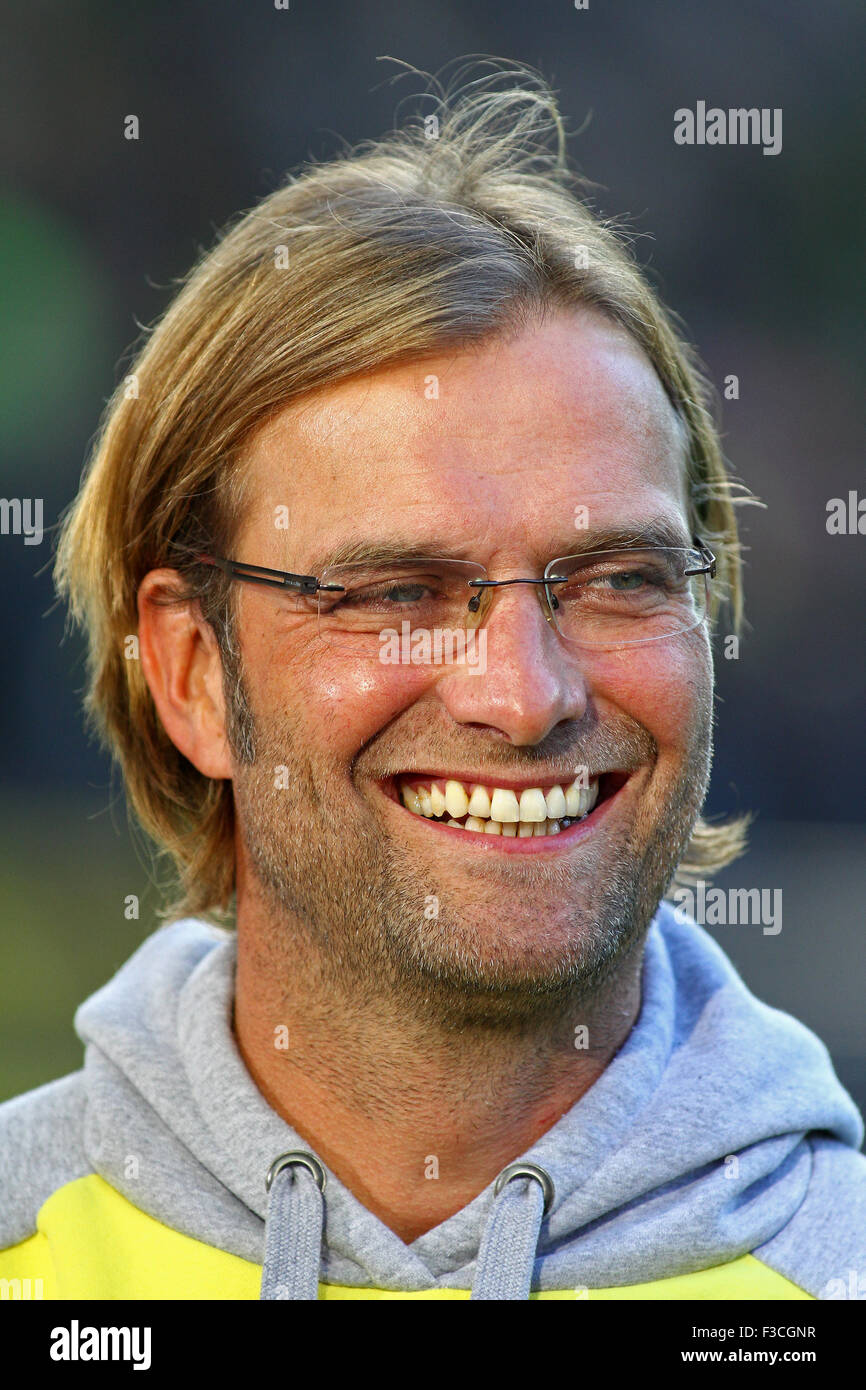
361	552
661	531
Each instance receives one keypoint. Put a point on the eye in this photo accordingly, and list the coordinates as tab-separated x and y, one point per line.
380	594
405	593
626	579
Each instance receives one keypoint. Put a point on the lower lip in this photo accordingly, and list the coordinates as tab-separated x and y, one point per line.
483	843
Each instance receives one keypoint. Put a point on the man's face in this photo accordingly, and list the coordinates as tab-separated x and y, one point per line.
490	468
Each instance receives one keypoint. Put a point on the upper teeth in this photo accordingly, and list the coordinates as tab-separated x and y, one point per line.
500	804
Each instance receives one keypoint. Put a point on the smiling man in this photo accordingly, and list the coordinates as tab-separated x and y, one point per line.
457	1042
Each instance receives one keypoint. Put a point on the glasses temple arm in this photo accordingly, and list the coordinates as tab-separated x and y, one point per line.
260	574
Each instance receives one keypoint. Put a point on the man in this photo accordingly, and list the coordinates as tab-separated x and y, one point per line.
398	558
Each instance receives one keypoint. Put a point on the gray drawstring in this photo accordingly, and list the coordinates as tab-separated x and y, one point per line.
293	1227
506	1258
295	1220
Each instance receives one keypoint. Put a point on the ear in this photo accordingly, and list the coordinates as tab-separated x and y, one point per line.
181	662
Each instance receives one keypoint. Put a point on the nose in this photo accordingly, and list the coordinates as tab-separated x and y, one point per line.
524	680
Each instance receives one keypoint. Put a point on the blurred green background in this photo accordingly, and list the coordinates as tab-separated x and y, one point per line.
67	867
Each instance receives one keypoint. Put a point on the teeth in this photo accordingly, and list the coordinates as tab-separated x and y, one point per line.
555	799
479	802
456	800
504	806
580	800
501	812
533	806
572	800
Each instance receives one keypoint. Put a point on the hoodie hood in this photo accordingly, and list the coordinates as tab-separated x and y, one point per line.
689	1151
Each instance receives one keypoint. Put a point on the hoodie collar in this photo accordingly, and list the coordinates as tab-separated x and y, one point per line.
687	1151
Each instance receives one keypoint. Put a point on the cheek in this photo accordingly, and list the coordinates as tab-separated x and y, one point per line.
667	687
337	702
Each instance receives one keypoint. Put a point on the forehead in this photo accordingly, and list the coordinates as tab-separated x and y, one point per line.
488	450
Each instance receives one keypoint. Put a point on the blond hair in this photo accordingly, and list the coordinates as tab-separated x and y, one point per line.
433	235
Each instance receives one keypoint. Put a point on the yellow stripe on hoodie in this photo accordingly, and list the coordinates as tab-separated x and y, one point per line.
93	1243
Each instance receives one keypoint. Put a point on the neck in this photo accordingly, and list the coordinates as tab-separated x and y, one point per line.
414	1120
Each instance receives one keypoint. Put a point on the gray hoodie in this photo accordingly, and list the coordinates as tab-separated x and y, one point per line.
716	1156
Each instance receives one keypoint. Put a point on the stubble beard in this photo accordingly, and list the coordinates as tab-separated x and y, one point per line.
367	918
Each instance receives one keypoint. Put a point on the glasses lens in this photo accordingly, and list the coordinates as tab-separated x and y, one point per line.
620	598
409	612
